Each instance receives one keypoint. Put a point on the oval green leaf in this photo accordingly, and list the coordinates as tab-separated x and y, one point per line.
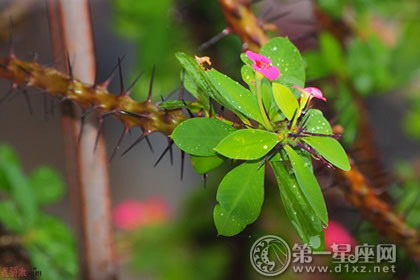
199	136
247	144
300	213
286	57
47	184
203	165
240	196
308	184
234	96
285	99
330	149
315	122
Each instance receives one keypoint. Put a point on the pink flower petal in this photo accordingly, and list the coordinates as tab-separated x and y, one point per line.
336	233
315	92
257	57
312	91
271	73
128	214
132	214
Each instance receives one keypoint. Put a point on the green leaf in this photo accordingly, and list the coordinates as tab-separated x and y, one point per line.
332	54
248	76
270	105
317	123
203	165
234	96
285	99
52	249
334	8
330	149
174	104
308	184
9	157
195	78
240	196
47	184
19	189
300	213
226	224
286	57
316	68
10	217
247	144
199	136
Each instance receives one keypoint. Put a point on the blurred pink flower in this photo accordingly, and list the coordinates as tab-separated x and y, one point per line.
263	65
336	233
312	91
132	214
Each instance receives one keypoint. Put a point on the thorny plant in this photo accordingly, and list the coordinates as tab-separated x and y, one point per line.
272	124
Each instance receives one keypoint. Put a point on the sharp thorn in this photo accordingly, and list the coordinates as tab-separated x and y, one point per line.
214	40
205	176
188	110
276	17
69	67
149	144
171	155
28	101
120	139
7	95
168	147
82	123
111	74
11	51
134	83
149	95
133	114
120	74
98	134
182	164
134	144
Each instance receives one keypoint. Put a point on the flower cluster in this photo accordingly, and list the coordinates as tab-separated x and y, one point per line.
264	66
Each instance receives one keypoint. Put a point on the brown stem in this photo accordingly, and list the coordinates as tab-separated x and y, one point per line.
70	24
243	22
379	213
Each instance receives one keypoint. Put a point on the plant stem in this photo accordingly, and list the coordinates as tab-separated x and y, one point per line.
267	123
70	26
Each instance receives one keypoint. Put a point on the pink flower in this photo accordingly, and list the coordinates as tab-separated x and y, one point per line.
263	65
335	233
132	214
312	92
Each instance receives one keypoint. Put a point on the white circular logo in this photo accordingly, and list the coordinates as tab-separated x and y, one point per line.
270	255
